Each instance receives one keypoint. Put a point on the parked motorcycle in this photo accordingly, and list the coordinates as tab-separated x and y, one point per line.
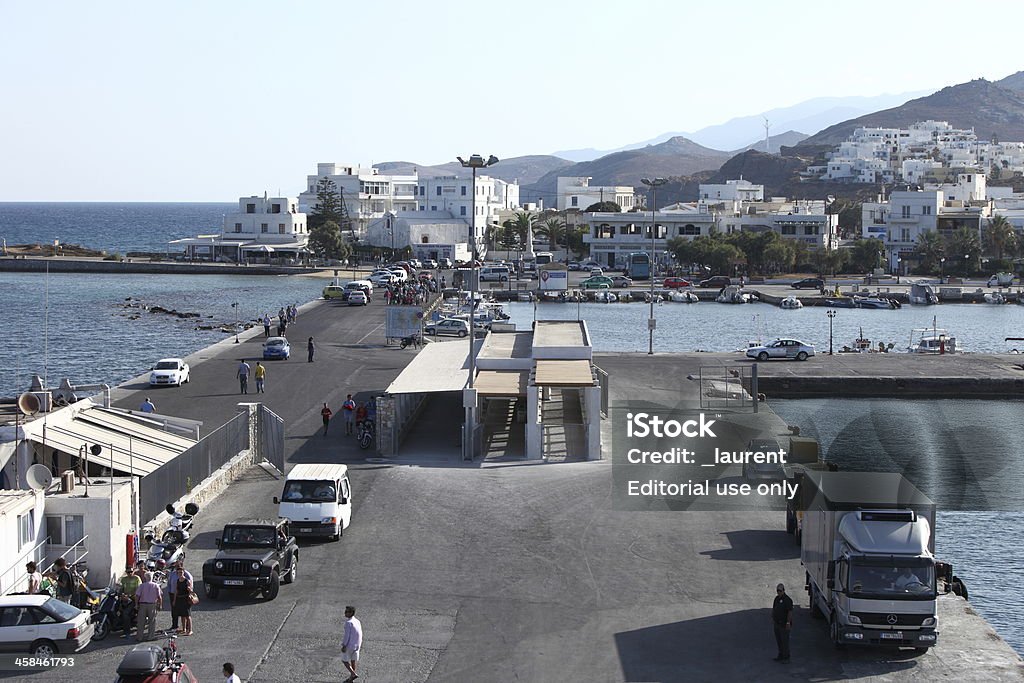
182	522
411	340
110	615
166	552
83	597
367	434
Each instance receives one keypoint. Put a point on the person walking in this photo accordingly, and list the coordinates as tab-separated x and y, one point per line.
150	599
147	406
326	413
782	620
173	593
266	324
35	579
181	600
351	643
243	377
260	373
310	349
348	409
229	673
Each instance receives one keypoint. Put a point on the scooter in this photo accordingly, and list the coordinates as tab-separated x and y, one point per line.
84	598
367	434
110	615
411	340
169	550
182	522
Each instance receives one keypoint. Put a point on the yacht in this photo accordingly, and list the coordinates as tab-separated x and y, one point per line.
922	293
874	302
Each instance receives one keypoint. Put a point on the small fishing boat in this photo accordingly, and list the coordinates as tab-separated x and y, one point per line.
933	340
733	294
873	302
605	297
995	298
922	294
683	297
790	303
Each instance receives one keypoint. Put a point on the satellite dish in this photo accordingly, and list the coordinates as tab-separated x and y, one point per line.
38	477
95	449
28	403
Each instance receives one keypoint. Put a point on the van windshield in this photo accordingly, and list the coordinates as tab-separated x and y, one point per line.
310	492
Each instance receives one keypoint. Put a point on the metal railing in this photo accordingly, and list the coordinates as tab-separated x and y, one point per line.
8	583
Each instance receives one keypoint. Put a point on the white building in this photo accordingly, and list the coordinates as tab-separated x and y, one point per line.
576	192
262	228
614	236
366	192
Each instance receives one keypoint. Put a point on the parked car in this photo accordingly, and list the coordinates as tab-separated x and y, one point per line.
335	292
42	626
445	263
587	265
415	264
357	298
809	283
452	326
781	348
276	347
676	283
597	271
597	282
773	471
380	278
574	265
621	281
716	281
498	273
253	554
169	372
430	264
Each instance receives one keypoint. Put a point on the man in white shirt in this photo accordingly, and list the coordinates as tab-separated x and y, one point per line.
229	673
351	643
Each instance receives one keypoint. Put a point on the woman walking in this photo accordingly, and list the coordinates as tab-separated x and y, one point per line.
182	605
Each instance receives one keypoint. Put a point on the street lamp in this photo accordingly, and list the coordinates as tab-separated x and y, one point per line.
966	266
654	184
942	269
899	268
831	316
474	162
235	306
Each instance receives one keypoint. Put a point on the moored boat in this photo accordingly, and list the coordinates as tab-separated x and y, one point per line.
790	303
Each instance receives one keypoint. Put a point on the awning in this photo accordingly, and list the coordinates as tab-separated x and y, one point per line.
502	383
439	366
564	373
128	447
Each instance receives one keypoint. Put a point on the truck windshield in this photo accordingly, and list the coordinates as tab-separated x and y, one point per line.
248	536
310	492
892	578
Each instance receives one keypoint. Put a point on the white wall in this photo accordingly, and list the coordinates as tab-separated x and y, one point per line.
106	538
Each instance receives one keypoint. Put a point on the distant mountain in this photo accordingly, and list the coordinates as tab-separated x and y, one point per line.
776	142
990	109
810	115
674	157
1012	82
526	169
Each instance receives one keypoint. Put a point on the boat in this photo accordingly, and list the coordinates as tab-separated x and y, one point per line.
873	302
733	294
605	297
933	340
683	297
790	303
657	298
995	298
839	302
922	294
524	296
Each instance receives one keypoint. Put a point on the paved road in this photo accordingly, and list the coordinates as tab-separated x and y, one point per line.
508	572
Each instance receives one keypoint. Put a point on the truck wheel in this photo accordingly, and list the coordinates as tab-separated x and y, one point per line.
834	634
293	570
816	612
790	523
211	590
271	591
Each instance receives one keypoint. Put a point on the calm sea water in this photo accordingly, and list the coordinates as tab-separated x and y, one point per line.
966	456
115	227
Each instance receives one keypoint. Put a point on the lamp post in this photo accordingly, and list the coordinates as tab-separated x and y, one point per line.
654	184
831	316
474	162
966	266
942	269
899	268
235	306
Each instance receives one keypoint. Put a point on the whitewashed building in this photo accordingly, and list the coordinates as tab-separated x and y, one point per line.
614	236
367	193
576	192
262	228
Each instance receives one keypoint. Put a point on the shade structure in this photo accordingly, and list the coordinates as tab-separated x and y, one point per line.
564	373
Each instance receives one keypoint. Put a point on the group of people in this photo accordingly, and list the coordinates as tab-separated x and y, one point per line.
143	596
406	293
285	316
259	374
354	414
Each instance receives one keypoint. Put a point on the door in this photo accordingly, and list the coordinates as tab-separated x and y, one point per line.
345	503
17	629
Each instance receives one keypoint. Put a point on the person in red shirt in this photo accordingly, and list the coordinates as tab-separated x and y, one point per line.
326	413
349	411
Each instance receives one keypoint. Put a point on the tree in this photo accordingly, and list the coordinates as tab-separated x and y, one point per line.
606	207
574	239
326	242
1000	235
328	206
522	224
555	231
965	246
779	256
930	249
866	255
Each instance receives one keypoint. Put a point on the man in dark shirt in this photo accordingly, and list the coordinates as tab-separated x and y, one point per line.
782	618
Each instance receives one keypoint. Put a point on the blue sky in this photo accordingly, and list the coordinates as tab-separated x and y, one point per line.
191	101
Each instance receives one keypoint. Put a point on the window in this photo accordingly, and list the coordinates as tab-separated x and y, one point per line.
280	228
423	190
575	201
16	616
433	208
904	234
926	211
238	227
462	211
788	229
689	229
438	190
275	208
26	528
906	212
65	529
463	190
264	227
250	208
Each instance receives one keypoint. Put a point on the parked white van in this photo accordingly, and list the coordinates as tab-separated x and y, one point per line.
499	273
317	500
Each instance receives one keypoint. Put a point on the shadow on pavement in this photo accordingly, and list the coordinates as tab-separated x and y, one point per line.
756	545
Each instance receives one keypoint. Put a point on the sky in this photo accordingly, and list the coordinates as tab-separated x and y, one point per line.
211	101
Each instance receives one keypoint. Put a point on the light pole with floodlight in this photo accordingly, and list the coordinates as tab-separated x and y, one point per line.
967	263
831	316
654	184
474	162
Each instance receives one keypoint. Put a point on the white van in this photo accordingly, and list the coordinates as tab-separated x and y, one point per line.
499	273
317	500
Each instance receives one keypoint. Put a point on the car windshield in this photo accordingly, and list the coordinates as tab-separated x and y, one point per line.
61	610
276	342
167	365
892	578
249	535
322	491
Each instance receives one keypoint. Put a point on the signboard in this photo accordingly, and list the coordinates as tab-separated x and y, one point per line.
402	321
553	278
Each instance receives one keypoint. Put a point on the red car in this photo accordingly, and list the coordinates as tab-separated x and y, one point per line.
675	283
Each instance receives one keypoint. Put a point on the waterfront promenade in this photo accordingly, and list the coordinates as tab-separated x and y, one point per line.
503	571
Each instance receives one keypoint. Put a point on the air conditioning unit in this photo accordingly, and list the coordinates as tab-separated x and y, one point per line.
67	481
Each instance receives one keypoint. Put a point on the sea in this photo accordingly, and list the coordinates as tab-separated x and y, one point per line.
96	328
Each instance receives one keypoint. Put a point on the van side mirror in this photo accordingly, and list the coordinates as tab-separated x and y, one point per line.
276	501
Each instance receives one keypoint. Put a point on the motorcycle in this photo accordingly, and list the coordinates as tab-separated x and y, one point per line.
84	598
169	550
182	522
367	434
111	613
411	340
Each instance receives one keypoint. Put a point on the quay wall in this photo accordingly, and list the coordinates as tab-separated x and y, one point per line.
63	265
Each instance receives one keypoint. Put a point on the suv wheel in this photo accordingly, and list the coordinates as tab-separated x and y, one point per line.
211	590
272	589
293	570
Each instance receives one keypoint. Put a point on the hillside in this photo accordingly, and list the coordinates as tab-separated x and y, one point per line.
675	157
992	110
1012	82
776	142
526	169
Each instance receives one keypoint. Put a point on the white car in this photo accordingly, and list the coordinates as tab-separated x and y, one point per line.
169	372
357	298
42	626
781	348
452	326
383	277
400	273
772	471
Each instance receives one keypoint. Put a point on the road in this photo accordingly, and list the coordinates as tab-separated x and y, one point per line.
498	573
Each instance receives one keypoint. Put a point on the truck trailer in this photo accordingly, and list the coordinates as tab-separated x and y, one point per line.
868	548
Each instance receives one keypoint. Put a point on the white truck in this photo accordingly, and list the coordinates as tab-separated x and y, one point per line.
317	500
868	548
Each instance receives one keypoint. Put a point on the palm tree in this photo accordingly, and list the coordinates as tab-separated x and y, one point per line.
523	224
931	248
965	241
999	233
555	231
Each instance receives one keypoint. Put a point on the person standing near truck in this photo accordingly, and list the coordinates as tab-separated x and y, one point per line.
782	619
